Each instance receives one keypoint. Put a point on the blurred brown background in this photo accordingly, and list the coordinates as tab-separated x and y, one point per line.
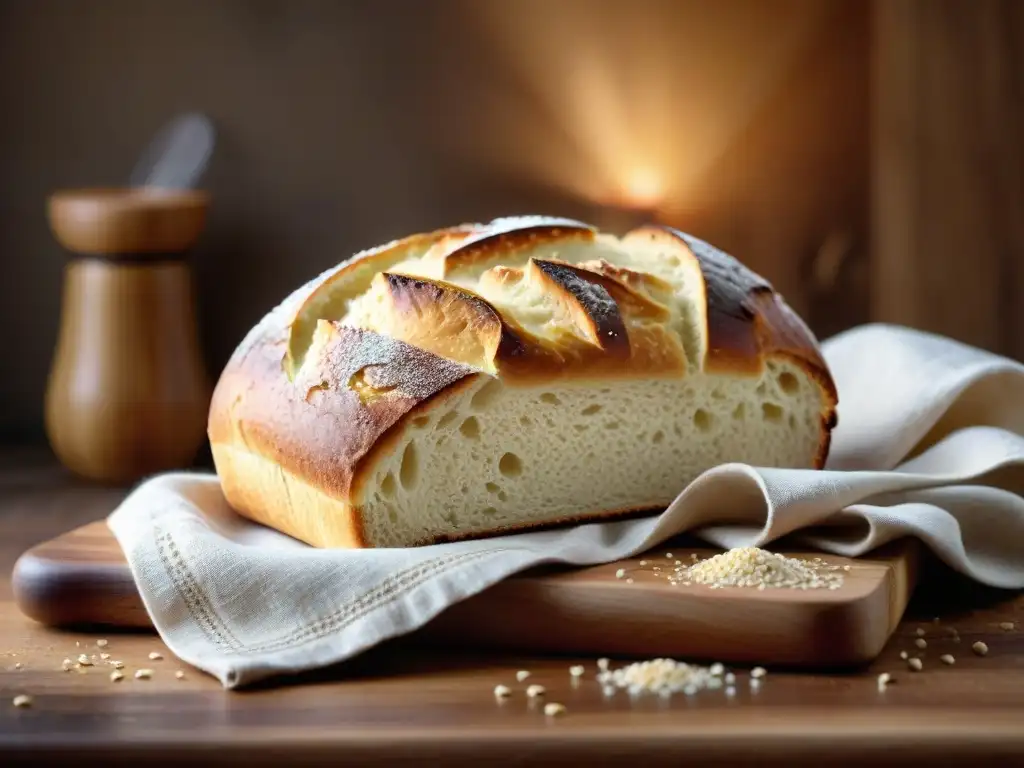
865	157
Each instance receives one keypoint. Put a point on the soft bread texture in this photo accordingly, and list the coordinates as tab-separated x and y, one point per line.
495	377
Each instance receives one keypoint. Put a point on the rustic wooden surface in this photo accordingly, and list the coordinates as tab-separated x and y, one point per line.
401	705
81	577
947	169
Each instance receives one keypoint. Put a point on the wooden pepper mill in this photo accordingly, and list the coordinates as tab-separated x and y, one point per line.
128	394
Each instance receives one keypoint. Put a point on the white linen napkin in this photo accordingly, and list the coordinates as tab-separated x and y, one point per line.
930	443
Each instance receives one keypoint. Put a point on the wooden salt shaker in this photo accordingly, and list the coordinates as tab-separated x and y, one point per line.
128	394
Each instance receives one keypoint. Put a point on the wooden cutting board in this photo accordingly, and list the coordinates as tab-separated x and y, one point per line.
81	578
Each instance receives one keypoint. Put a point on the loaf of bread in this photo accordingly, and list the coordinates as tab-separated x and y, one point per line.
492	378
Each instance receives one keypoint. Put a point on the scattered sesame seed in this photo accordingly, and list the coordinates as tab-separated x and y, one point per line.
643	563
67	664
155	656
620	574
629	581
502	691
554	709
883	680
17	665
602	664
920	631
668	555
661	676
730	678
84	661
921	642
522	674
1006	626
179	675
577	670
757	673
101	643
22	701
904	655
143	674
717	669
915	664
116	676
980	648
730	691
758	568
534	691
947	658
117	664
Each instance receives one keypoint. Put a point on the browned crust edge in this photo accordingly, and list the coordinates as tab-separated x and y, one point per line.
237	492
504	239
324	443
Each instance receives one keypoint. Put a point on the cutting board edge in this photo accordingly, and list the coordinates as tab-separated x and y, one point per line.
63	601
853	638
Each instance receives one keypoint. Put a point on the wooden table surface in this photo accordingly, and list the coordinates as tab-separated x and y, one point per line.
400	705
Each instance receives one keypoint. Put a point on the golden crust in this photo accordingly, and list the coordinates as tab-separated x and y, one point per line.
640	295
459	324
592	310
264	492
504	239
445	319
328	381
330	291
321	426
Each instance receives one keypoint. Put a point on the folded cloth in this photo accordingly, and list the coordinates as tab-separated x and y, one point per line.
930	444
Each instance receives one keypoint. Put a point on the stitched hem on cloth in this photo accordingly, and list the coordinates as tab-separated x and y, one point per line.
201	609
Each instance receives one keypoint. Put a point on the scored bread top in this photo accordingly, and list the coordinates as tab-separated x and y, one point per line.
322	379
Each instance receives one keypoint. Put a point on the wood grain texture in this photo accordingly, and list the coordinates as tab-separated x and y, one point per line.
403	704
948	168
81	578
128	392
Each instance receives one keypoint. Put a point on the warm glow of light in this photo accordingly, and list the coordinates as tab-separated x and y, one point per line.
604	106
643	189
